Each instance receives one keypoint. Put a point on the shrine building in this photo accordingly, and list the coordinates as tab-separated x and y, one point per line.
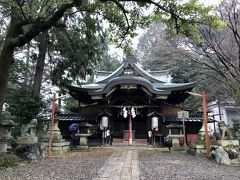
130	98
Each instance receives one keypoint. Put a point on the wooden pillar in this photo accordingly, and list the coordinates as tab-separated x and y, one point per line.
205	122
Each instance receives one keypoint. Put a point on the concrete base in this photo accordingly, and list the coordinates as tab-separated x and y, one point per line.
224	142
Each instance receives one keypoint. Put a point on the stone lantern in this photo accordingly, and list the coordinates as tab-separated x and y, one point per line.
6	125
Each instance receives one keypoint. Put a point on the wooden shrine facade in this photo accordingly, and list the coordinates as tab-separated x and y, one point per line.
130	87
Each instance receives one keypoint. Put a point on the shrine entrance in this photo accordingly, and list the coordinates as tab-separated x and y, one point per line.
128	98
120	125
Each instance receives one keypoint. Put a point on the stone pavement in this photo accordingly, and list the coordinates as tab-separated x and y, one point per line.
122	165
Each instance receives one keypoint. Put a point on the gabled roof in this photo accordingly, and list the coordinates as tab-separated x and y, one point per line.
136	70
130	73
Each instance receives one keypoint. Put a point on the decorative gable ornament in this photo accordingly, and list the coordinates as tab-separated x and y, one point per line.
128	71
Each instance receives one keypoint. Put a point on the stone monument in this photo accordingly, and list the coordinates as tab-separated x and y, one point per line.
6	125
28	145
228	136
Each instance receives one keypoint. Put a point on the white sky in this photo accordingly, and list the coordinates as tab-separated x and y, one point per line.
113	50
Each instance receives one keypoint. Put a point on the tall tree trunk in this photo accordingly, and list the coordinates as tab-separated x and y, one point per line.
6	60
42	47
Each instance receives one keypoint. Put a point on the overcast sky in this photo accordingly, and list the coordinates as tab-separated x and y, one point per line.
140	31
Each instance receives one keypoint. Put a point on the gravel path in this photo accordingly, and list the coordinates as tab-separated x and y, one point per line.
152	165
176	165
83	165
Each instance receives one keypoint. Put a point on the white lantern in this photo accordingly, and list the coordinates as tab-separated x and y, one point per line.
104	122
154	122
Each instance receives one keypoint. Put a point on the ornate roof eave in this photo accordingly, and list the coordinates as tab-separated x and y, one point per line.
155	88
174	86
124	80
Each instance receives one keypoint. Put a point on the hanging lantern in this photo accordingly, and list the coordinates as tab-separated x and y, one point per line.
104	122
154	122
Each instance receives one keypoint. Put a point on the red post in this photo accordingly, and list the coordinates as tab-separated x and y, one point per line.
51	127
129	128
205	119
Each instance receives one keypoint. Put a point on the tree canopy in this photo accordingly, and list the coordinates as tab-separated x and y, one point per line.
27	19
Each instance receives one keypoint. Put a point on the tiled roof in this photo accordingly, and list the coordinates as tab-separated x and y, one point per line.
77	117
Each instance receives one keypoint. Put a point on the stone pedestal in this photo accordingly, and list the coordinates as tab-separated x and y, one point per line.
224	142
176	140
30	145
59	145
83	139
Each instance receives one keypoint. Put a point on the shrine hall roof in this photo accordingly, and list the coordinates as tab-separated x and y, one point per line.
130	74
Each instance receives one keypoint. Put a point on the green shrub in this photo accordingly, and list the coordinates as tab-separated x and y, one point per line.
8	160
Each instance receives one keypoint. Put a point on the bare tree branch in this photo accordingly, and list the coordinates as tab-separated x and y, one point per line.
35	29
